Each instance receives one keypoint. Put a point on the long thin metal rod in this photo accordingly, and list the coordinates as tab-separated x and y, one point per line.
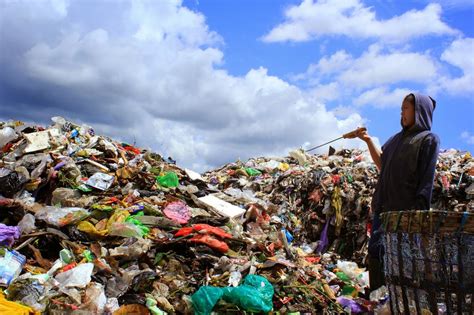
313	148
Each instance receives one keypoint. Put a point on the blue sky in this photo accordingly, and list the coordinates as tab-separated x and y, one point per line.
208	82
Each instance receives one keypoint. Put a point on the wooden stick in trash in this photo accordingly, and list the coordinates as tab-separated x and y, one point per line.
348	135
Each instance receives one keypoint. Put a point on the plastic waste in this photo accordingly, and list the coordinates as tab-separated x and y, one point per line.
61	216
65	197
342	276
252	172
177	211
350	268
26	198
270	165
95	299
203	229
29	290
112	305
152	305
352	306
100	181
11	264
10	182
8	234
27	224
79	276
7	134
300	156
89	228
133	219
8	307
254	295
66	256
125	229
132	250
168	180
235	278
288	235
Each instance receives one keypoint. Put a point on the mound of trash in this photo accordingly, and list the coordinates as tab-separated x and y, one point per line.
89	224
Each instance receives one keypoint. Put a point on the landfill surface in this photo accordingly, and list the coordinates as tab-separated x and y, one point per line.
90	225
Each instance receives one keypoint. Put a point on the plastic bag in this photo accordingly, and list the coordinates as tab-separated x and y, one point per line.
169	180
177	211
350	305
65	197
8	234
300	156
61	216
95	299
27	224
7	134
8	307
29	290
89	228
133	219
125	229
205	299
79	276
100	181
134	250
210	241
203	229
254	295
10	182
349	268
252	172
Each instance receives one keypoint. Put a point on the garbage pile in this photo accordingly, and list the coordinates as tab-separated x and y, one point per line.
89	224
454	185
323	202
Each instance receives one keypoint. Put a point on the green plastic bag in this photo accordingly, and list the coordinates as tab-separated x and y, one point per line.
252	172
169	180
349	290
133	219
205	298
254	295
342	276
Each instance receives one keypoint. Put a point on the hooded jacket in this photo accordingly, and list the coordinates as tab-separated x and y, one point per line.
408	168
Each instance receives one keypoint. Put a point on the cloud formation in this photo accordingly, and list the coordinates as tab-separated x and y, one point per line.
316	18
157	80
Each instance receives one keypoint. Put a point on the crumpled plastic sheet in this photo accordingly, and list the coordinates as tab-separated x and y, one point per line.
8	234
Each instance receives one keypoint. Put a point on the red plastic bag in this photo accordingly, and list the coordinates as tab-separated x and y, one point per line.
208	229
203	229
184	231
210	241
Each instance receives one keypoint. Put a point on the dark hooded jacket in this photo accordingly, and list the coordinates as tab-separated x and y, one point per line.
408	169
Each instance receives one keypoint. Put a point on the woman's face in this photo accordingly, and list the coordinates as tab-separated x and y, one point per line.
408	114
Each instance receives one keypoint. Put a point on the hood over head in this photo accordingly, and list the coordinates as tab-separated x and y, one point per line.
424	108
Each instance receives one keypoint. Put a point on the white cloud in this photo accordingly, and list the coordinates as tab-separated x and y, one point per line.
157	20
460	54
375	68
325	92
313	19
332	64
160	82
382	97
369	79
467	137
